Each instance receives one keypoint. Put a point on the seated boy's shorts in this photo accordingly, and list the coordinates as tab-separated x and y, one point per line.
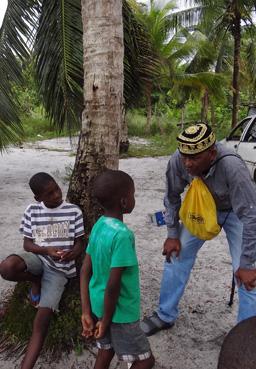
52	282
127	340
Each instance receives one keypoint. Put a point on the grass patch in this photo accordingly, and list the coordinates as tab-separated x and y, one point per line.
158	145
65	328
37	127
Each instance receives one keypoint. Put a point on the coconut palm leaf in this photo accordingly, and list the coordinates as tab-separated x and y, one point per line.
141	64
213	82
15	32
59	61
56	46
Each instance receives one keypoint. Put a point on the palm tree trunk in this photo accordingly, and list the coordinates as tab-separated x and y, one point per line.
149	106
205	105
213	116
182	121
236	31
124	140
98	146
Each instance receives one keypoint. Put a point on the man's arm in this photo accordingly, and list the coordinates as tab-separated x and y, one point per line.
110	299
175	185
86	318
243	200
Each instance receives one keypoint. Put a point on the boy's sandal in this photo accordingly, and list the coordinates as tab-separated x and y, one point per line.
152	324
34	299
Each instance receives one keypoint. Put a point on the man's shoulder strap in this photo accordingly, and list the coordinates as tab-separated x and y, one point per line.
223	156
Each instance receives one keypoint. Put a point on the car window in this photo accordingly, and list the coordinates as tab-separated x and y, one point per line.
251	134
235	135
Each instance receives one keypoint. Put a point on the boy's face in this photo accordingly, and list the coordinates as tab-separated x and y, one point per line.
51	195
130	199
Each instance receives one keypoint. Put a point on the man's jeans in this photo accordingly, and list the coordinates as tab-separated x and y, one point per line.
176	274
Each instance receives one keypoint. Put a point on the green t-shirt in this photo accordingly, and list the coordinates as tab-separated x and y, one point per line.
112	244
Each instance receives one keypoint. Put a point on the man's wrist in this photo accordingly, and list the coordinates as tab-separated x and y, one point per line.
246	263
172	233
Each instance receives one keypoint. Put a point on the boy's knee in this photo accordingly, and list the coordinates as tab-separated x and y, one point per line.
11	266
5	270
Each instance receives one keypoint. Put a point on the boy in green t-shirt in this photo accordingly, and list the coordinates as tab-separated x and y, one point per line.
110	292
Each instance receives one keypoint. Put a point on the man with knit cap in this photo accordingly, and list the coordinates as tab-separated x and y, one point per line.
229	182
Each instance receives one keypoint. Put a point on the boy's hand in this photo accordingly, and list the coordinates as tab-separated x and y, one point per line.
67	255
88	326
53	252
100	329
72	254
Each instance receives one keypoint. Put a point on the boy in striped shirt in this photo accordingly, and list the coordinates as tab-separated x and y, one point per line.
52	230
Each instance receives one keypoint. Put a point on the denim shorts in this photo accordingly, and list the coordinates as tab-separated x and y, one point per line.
127	340
52	281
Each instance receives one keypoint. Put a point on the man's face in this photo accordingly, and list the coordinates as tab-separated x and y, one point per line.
51	196
200	163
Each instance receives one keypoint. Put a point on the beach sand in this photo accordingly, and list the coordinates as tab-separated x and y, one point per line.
205	318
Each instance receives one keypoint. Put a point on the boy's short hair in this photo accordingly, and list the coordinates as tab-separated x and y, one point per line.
110	186
238	349
39	181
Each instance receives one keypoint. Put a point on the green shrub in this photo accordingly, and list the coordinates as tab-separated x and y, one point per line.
37	127
136	120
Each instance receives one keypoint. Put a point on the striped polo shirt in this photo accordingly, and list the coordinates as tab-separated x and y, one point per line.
57	227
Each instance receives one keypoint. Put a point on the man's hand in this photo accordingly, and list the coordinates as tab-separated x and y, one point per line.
247	277
88	325
171	245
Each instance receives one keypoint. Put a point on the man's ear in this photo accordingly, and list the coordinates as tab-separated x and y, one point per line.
213	152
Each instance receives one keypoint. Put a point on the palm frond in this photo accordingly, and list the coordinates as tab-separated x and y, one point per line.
59	61
213	82
251	58
141	65
52	32
15	32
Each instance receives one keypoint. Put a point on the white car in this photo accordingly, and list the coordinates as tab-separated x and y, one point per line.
242	139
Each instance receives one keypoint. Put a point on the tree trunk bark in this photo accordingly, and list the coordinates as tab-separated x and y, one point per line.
213	117
236	31
149	106
182	121
205	105
99	139
124	140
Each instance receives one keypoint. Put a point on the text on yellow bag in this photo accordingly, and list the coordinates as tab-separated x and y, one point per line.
198	211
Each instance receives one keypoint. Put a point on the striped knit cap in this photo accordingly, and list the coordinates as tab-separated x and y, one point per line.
196	139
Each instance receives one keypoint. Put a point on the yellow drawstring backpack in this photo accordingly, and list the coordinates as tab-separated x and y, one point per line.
198	211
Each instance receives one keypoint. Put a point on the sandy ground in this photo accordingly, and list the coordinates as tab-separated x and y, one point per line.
194	342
